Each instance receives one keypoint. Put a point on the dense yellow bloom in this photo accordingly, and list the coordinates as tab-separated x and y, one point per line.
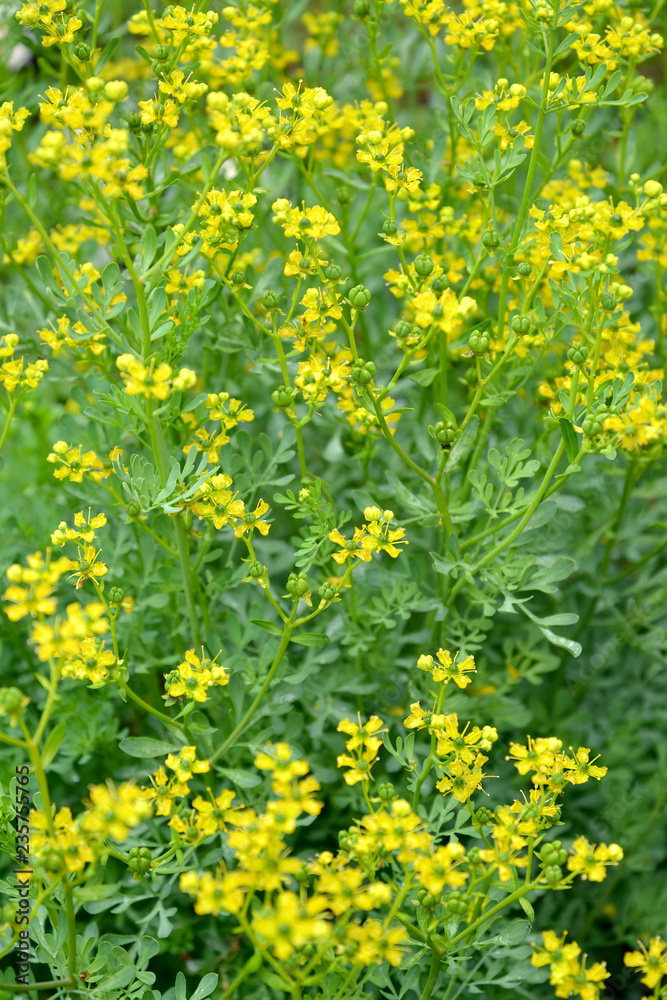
194	676
74	464
113	812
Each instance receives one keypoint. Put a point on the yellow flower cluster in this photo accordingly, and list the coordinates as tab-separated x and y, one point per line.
373	536
65	844
151	381
568	971
193	677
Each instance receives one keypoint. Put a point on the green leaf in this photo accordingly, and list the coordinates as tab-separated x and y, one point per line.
463	446
517	932
144	746
268	626
31	191
425	376
53	742
244	779
570	439
179	987
311	639
527	908
206	986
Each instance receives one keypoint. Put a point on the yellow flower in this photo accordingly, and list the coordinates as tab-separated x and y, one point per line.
436	870
447	669
289	925
591	862
652	961
361	734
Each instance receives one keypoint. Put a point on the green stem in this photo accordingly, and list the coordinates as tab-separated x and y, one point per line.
512	898
284	643
434	973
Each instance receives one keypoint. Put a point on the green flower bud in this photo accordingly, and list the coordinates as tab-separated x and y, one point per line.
490	239
187	519
438	285
386	791
363	372
327	591
478	342
269	301
359	297
303	875
389	227
456	903
483	816
332	272
161	52
608	301
249	85
521	324
282	397
147	128
133	510
238	277
297	586
256	570
10	699
403	328
524	269
82	52
116	595
424	265
362	8
553	874
578	127
427	899
344	195
577	354
134	121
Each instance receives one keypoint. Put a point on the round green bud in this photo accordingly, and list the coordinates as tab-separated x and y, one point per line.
524	269
553	874
490	239
238	277
147	128
10	699
427	899
438	285
327	591
591	427
161	52
343	195
282	397
359	297
578	127
332	272
577	354
483	815
249	85
297	586
403	328
362	8
608	301
116	595
456	903
424	265
270	301
133	510
256	570
389	227
134	121
478	342
386	791
521	324
82	51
